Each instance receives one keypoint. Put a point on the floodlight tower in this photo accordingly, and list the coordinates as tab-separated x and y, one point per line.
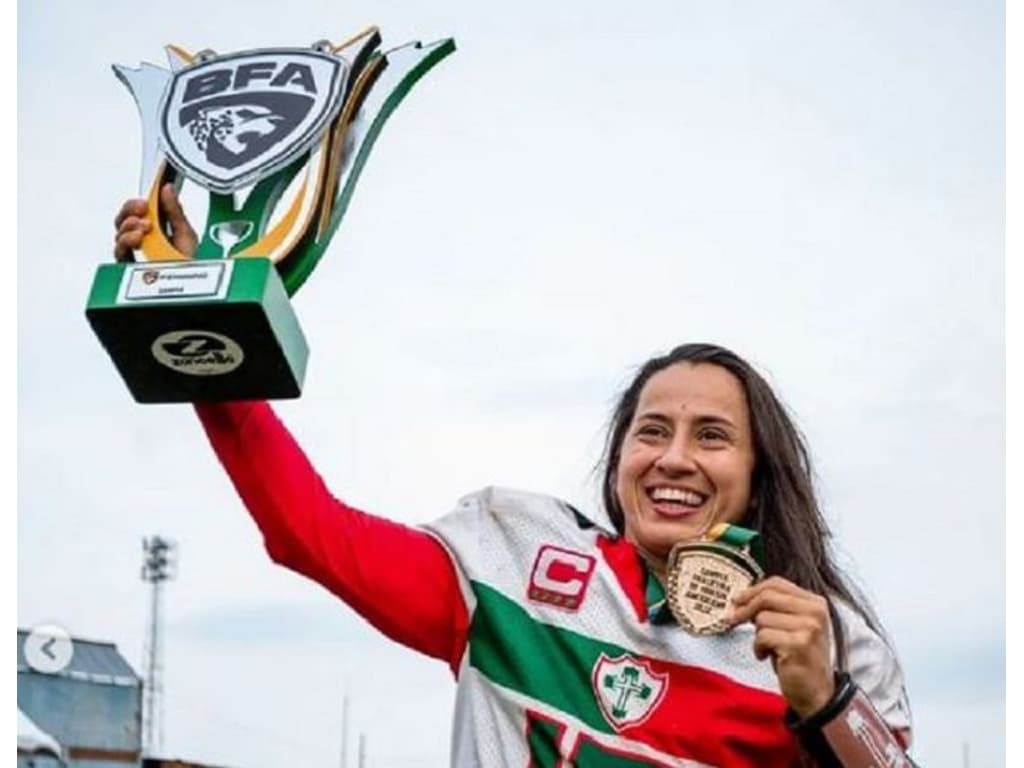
159	564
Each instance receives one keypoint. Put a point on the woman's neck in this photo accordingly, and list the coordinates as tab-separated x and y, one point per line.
656	565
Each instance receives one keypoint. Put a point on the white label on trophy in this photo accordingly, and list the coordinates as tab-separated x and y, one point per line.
169	282
197	353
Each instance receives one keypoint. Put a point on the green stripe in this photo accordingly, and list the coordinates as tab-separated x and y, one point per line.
296	271
590	755
658	611
259	204
744	539
542	737
544	662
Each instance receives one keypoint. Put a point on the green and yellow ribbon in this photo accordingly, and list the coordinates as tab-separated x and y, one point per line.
740	538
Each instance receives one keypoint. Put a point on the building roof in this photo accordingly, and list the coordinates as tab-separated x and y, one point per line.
92	660
32	738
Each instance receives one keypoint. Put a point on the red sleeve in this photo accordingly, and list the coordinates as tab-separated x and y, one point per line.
398	578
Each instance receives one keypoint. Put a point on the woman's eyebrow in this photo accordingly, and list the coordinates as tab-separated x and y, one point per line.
700	420
654	416
714	418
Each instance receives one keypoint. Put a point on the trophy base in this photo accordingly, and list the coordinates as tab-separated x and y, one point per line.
199	331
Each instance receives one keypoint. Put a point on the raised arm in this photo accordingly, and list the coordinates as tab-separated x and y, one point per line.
398	578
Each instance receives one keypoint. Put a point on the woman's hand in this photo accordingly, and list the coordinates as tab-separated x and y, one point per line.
794	630
133	224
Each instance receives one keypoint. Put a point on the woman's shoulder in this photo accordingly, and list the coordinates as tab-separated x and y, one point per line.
502	503
515	521
496	497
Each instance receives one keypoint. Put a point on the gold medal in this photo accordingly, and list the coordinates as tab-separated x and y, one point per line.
704	576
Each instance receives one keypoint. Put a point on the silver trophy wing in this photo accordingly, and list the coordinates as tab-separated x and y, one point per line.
147	85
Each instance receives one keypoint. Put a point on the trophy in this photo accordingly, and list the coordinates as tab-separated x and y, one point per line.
260	130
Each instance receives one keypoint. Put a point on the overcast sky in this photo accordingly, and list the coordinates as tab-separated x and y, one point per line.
818	185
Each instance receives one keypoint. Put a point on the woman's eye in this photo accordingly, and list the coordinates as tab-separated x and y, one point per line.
650	431
712	435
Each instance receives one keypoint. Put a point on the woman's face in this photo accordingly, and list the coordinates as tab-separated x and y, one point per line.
687	457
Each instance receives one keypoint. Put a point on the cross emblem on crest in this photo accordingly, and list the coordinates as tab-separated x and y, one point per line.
627	684
627	689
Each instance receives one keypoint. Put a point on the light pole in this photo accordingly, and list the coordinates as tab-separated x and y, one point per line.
159	564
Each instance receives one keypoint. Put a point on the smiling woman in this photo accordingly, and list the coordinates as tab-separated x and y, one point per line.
565	645
685	460
704	418
698	440
558	629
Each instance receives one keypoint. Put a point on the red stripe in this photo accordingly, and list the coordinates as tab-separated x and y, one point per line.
705	715
708	717
625	564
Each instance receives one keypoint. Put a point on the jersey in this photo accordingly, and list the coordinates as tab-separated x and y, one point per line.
550	622
566	658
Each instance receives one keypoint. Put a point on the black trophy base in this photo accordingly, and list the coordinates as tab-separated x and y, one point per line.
199	331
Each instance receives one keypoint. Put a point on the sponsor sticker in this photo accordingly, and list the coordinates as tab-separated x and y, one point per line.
198	353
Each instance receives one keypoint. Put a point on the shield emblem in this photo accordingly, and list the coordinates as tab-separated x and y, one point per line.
230	121
627	689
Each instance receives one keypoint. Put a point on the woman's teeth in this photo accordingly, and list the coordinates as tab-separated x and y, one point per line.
677	496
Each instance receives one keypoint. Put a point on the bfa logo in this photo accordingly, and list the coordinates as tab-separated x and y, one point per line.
229	121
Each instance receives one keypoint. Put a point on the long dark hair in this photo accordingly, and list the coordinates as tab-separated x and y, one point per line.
783	507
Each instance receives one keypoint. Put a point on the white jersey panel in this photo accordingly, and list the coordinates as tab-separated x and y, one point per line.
494	537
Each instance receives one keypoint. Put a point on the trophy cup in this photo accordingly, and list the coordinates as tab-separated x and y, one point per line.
248	127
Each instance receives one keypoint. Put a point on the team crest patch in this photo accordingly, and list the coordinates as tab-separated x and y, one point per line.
231	120
627	689
560	577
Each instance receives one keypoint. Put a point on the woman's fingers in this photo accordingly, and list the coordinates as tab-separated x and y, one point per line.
128	238
135	207
772	599
768	643
183	235
133	224
789	622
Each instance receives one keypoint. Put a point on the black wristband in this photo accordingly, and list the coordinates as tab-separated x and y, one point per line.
808	729
845	690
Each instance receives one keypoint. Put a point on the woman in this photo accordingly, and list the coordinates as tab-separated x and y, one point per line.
556	626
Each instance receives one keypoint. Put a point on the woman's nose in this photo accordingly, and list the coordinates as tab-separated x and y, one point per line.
677	457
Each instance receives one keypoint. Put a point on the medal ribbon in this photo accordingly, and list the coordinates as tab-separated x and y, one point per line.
740	538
